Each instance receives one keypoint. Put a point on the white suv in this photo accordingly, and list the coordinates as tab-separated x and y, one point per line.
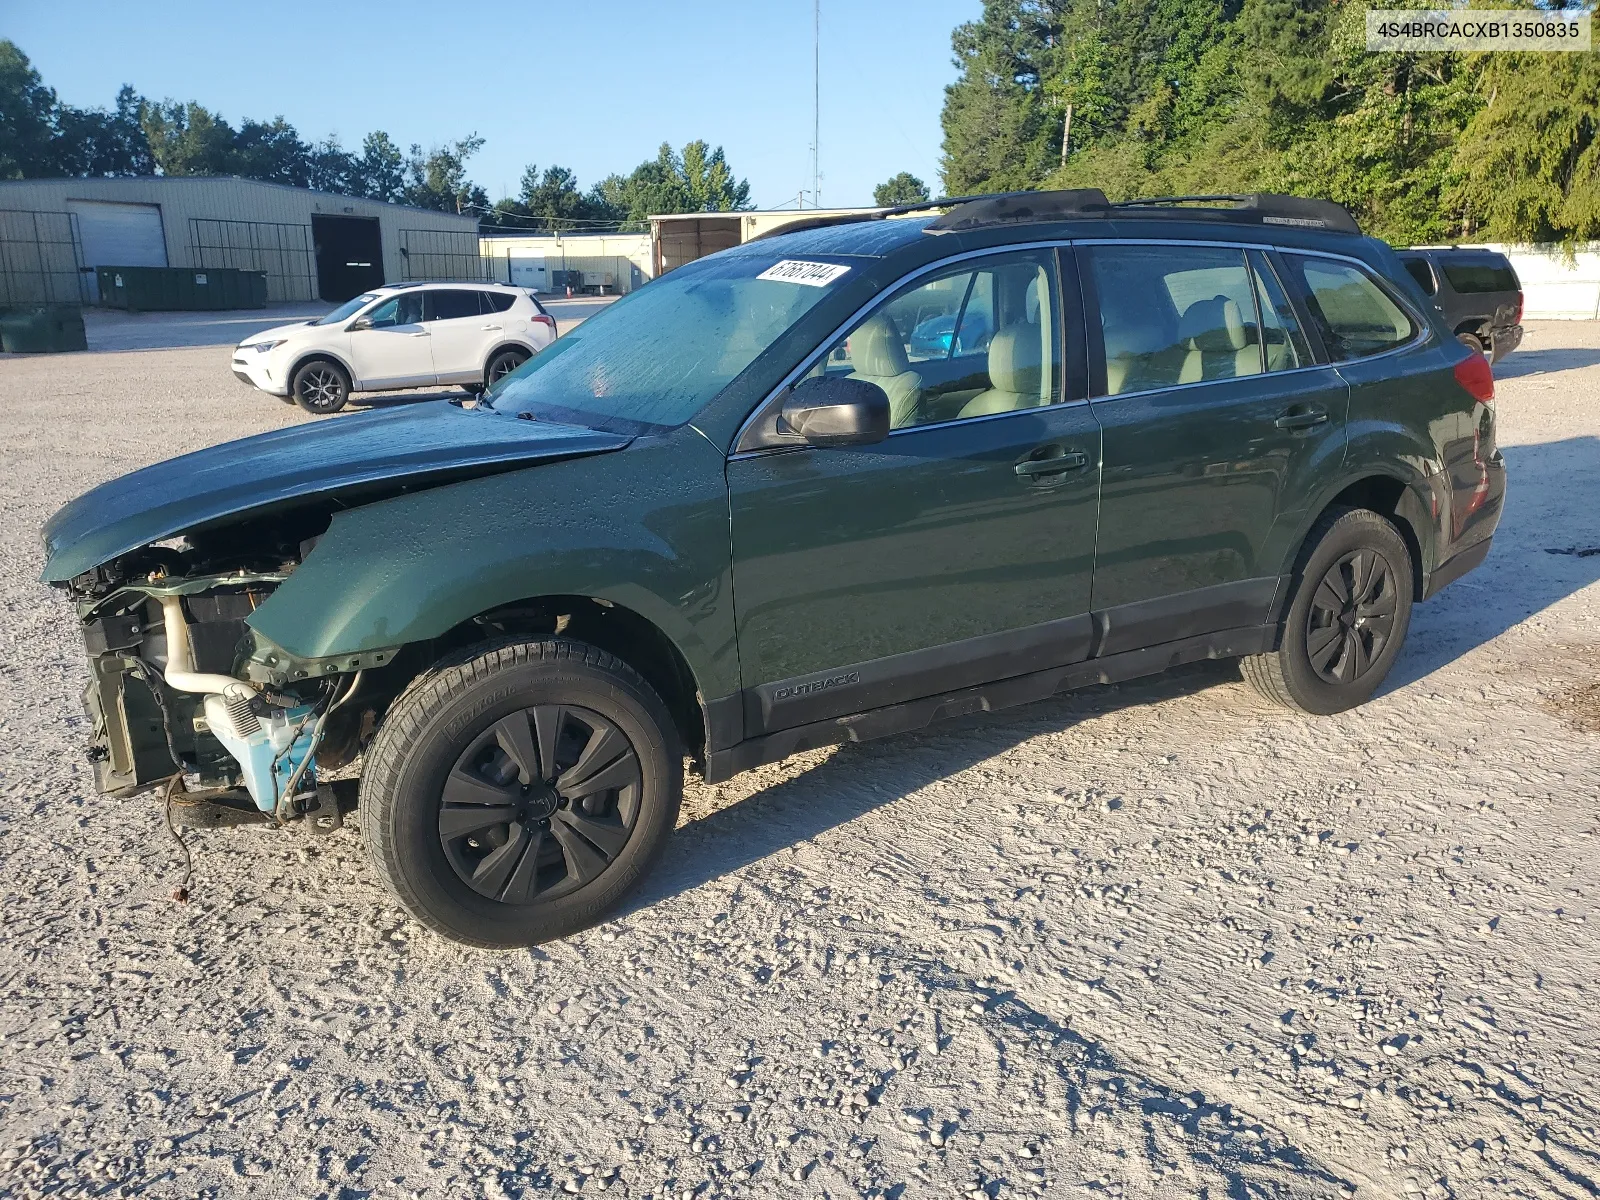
400	335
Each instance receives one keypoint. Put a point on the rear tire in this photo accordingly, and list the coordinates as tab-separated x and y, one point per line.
517	793
503	364
321	386
1472	342
1347	617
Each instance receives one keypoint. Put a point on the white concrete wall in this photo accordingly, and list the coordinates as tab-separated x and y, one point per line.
528	254
1554	286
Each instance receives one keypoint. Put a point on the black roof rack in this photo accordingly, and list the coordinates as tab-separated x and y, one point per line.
1004	208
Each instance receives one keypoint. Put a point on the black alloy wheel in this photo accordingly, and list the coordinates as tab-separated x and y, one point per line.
321	387
503	364
518	791
1351	616
540	804
1348	611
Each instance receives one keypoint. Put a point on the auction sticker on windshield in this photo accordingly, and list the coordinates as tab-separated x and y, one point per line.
812	274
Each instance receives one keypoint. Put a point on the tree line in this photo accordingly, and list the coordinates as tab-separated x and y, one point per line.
43	138
1185	97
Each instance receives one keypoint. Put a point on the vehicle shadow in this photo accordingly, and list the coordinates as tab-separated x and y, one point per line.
838	790
1538	558
1545	362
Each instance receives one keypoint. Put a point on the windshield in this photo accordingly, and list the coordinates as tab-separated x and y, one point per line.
654	358
347	310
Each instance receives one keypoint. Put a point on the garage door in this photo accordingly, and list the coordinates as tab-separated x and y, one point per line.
119	235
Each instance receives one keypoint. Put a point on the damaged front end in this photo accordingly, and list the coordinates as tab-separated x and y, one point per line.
181	685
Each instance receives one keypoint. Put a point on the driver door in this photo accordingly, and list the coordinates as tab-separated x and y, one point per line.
393	349
956	552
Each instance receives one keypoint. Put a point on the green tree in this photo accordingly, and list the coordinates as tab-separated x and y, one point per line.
438	179
27	118
379	171
698	180
187	138
904	188
94	141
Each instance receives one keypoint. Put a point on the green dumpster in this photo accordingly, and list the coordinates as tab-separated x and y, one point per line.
181	289
47	330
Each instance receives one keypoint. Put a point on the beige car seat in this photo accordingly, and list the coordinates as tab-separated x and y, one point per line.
878	356
1014	373
1219	345
1141	354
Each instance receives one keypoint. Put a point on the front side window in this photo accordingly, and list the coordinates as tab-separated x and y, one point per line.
404	309
657	356
1355	316
1174	315
968	342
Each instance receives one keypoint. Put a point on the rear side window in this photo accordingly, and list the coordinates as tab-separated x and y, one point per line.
496	302
1419	270
450	305
1355	316
1173	315
1484	275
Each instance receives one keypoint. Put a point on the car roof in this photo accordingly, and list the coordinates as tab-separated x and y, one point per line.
412	284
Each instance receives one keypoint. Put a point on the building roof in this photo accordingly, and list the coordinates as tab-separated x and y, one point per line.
168	180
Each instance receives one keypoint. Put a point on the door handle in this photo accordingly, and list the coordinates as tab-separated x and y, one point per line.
1056	464
421	333
1302	418
491	328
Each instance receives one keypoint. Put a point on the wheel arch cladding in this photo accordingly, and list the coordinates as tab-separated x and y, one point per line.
311	356
1398	500
412	568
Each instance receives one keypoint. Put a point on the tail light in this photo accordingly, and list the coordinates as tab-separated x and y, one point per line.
547	321
1474	373
1517	320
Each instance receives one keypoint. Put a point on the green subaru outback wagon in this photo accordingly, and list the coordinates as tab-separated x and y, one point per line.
824	486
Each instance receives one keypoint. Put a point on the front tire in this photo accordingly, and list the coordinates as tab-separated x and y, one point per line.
517	795
1347	617
321	386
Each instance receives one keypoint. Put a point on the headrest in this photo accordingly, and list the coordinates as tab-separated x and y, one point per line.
1213	325
876	349
1014	360
1133	335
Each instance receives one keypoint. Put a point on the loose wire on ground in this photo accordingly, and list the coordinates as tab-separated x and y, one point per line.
181	892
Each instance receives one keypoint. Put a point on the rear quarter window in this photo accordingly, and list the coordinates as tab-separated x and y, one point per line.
1355	316
1483	276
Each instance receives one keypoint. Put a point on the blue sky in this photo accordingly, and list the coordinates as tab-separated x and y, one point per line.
632	75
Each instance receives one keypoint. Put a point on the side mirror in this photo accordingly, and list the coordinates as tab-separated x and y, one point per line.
360	323
836	412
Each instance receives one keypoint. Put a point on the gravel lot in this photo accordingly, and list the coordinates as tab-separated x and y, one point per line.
1150	940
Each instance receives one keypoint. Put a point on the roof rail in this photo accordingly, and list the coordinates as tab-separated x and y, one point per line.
1258	208
1018	207
976	212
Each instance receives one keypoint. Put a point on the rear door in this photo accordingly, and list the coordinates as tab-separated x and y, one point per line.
1218	423
393	351
464	328
956	552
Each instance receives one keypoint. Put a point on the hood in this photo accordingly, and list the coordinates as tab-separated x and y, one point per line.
435	440
279	332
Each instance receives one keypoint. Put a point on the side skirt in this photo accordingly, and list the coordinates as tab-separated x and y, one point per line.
722	765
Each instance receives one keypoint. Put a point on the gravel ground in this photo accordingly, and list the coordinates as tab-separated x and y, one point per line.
1149	940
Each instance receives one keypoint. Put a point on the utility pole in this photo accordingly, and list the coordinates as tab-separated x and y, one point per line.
1066	135
816	99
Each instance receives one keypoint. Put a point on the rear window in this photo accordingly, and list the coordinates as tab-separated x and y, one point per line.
1483	275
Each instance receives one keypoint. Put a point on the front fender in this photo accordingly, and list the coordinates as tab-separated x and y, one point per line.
645	528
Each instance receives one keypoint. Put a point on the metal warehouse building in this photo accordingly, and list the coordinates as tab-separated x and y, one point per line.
312	245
